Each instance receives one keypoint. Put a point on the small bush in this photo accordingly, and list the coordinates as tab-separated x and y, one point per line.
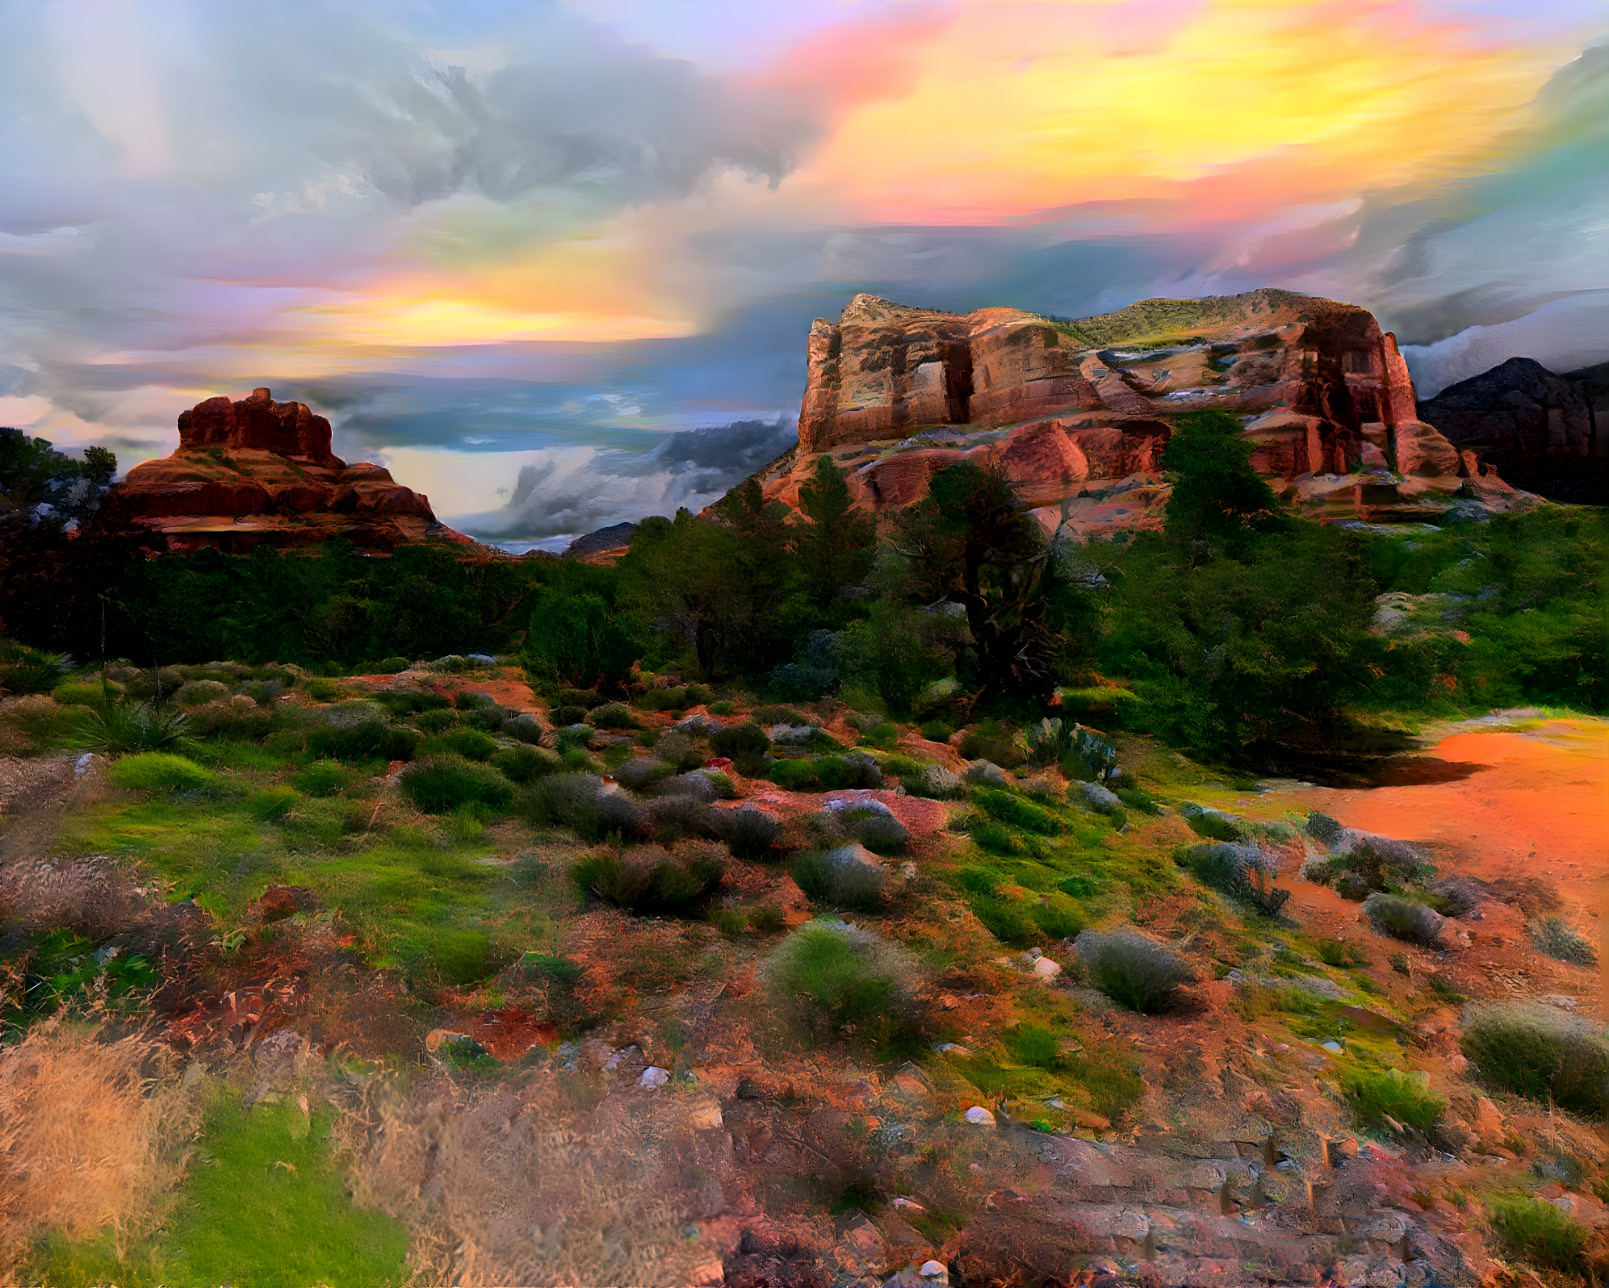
364	740
322	778
642	772
1537	1231
525	764
937	731
613	715
749	831
569	715
843	878
586	699
1338	952
486	719
392	665
121	728
1376	1095
198	692
1131	969
651	879
849	976
158	771
1033	1044
1558	939
31	670
546	967
678	748
77	693
1058	916
563	800
1404	919
1135	799
1016	812
662	700
720	708
471	744
979	880
823	774
1210	823
437	721
1536	1051
1243	872
989	741
741	742
525	727
271	803
442	784
672	817
573	739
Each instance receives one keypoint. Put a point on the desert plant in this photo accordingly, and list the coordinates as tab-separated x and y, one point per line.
271	803
1377	1096
1561	941
1537	1231
613	715
322	778
1132	969
119	727
1016	812
670	817
679	749
1539	1052
843	877
1405	919
1243	872
1033	1044
651	879
849	976
749	831
158	771
31	670
471	744
364	740
441	784
744	742
525	764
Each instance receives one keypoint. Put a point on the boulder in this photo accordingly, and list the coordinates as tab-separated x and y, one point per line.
986	773
1092	796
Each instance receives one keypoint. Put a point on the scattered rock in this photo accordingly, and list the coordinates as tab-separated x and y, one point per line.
979	1116
1092	796
985	772
653	1077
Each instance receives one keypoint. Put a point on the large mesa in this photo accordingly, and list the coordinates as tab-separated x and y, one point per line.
1077	412
258	471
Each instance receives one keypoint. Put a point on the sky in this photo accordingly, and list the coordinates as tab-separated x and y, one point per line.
554	261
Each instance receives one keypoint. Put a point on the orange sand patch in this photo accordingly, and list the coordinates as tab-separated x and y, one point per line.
508	688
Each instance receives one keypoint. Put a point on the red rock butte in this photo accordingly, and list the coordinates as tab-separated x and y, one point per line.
1077	412
258	471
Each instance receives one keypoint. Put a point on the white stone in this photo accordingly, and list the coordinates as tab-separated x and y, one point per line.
653	1077
980	1116
1045	968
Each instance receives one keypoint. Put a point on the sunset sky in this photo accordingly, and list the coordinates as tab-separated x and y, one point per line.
508	246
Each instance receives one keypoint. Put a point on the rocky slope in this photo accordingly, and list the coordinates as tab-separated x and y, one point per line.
1540	429
1078	412
259	471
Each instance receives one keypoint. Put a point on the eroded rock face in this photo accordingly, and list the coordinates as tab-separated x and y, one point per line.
1078	413
259	471
1542	430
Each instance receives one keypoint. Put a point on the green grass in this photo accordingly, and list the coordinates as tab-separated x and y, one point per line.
264	1204
1376	1094
1539	1233
158	771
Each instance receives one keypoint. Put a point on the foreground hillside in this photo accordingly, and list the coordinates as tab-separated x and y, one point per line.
432	975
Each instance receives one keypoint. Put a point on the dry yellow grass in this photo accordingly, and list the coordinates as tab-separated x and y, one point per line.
91	1134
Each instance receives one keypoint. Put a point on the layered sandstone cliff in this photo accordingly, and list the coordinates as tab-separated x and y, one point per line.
258	471
1078	412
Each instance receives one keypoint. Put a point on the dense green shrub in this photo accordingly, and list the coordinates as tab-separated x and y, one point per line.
1134	798
1537	1051
322	778
364	740
1132	969
1016	812
613	715
1211	823
1376	1095
824	774
80	693
550	968
990	741
1538	1232
569	715
30	670
1033	1044
741	743
271	803
651	879
158	771
471	744
442	784
122	727
841	877
748	831
525	764
1405	919
848	975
